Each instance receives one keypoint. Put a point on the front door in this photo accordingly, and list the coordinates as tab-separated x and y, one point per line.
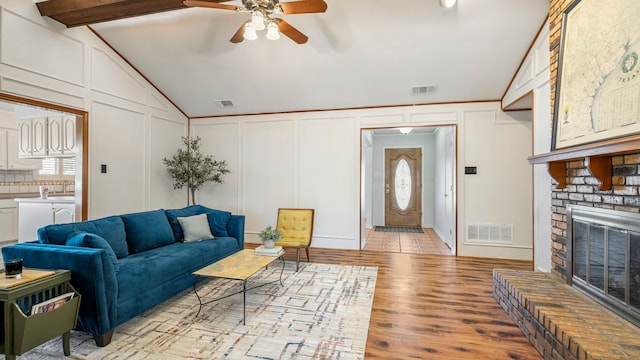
403	187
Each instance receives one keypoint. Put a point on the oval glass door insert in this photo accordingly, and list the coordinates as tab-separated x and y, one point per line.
402	184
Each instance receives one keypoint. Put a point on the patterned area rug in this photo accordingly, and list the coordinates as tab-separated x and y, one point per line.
321	312
399	229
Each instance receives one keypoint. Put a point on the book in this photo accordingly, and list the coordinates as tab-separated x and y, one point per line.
274	251
51	304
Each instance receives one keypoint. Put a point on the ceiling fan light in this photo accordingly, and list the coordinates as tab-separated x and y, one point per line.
249	31
447	3
273	33
257	19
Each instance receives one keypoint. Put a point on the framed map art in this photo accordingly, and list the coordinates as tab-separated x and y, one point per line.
598	85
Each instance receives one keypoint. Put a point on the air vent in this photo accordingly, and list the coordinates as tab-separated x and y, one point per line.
225	103
490	233
424	90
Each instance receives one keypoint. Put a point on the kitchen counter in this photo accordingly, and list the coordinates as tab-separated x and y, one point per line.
50	199
12	196
34	213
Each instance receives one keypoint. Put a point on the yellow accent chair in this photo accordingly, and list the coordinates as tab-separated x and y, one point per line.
297	230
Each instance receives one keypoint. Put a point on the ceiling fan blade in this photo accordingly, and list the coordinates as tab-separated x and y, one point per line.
291	32
238	37
209	4
303	7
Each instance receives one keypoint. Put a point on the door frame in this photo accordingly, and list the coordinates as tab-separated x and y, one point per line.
82	144
363	180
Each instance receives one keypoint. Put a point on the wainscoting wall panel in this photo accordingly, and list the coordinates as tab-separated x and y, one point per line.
268	172
35	86
157	103
161	140
118	142
433	117
110	77
486	206
378	120
326	153
222	141
62	57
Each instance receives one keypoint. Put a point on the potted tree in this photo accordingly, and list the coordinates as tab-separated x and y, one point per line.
189	167
269	236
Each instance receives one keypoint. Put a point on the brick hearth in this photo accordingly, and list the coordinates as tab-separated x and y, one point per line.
560	321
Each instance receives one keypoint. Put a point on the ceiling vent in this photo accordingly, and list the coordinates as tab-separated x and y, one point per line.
225	103
424	90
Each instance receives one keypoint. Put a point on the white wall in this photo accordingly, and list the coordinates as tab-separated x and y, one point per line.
412	140
498	144
288	160
534	77
313	159
131	125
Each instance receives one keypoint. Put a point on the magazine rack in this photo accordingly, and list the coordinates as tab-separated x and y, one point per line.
21	332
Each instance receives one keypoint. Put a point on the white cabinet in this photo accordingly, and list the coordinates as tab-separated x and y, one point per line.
8	221
47	136
4	153
9	149
36	213
61	135
14	161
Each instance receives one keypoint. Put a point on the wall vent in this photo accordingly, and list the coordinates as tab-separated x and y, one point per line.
225	103
490	233
424	89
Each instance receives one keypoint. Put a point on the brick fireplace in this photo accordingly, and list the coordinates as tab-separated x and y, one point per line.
582	189
559	320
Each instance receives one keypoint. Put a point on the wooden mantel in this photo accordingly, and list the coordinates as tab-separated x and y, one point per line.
598	159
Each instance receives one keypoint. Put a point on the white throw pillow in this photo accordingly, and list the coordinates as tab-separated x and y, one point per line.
195	228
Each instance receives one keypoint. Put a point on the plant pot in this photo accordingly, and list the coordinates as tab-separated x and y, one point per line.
269	244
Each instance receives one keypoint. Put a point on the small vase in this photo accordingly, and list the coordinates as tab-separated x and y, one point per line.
269	244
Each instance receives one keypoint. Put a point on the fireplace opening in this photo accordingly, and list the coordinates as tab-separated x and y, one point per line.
603	257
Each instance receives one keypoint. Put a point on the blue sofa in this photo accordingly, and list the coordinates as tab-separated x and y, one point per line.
124	265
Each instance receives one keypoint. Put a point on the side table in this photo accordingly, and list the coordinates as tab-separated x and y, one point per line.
22	332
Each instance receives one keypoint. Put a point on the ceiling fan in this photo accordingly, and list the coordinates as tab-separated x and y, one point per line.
262	16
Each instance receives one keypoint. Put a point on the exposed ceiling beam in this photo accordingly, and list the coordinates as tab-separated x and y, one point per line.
85	12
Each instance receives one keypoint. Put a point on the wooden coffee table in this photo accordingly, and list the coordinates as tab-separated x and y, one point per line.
239	266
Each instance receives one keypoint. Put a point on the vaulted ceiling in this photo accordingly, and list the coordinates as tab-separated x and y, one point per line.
360	53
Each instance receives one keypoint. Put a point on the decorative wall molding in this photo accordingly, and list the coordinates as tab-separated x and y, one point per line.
63	61
433	117
110	77
157	103
40	92
377	120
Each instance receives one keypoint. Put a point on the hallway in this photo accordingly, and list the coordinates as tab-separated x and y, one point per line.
411	243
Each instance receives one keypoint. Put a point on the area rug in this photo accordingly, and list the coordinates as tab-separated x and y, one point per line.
321	312
399	229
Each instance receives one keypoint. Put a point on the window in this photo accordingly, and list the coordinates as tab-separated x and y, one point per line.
58	166
403	184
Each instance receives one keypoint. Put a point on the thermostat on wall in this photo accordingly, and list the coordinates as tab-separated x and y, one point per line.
470	170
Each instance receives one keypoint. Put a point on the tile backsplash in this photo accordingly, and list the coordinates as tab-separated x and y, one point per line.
24	181
16	175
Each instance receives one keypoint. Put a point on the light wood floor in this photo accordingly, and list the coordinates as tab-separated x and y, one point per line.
434	307
412	243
